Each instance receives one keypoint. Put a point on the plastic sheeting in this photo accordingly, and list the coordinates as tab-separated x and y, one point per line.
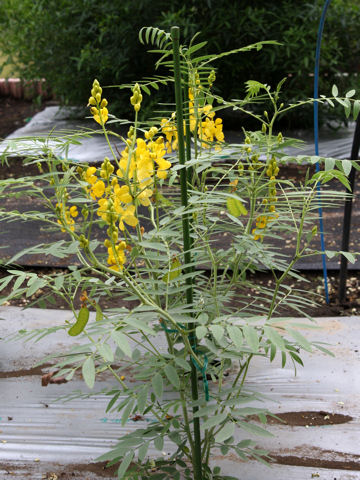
39	435
65	131
56	122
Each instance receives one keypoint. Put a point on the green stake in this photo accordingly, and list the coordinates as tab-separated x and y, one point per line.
175	35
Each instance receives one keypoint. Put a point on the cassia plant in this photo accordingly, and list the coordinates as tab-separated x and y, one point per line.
145	227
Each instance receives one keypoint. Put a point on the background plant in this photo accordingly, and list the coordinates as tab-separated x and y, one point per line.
190	337
68	42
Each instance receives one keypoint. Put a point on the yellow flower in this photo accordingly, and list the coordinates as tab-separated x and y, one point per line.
90	176
170	132
122	193
97	105
128	216
73	211
98	189
116	256
163	166
123	163
66	218
102	116
144	197
103	211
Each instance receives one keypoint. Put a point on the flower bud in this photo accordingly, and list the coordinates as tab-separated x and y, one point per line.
92	101
98	97
104	103
84	242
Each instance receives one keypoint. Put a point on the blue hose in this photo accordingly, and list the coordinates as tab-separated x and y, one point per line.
316	139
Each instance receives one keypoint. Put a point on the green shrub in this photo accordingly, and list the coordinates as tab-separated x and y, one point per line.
70	41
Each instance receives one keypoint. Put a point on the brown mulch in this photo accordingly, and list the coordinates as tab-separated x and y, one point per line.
15	113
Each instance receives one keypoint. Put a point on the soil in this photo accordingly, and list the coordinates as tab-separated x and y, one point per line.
65	472
307	419
15	113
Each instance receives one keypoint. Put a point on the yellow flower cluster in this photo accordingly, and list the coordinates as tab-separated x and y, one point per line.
98	105
168	128
115	206
67	219
116	255
272	171
209	128
117	194
140	165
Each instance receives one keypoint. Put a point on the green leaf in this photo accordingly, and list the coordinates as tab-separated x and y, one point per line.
329	163
127	410
182	363
195	48
19	281
274	337
235	207
350	93
141	399
235	335
139	325
226	432
356	109
334	91
253	87
201	331
59	282
158	385
143	451
99	313
175	270
255	429
217	331
251	337
347	166
159	443
296	358
121	341
300	339
35	286
172	375
88	372
82	320
125	465
106	352
349	257
215	420
146	89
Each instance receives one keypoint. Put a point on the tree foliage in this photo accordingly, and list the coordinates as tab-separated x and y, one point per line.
69	42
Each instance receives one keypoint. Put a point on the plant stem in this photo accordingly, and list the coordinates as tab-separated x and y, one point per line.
175	35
